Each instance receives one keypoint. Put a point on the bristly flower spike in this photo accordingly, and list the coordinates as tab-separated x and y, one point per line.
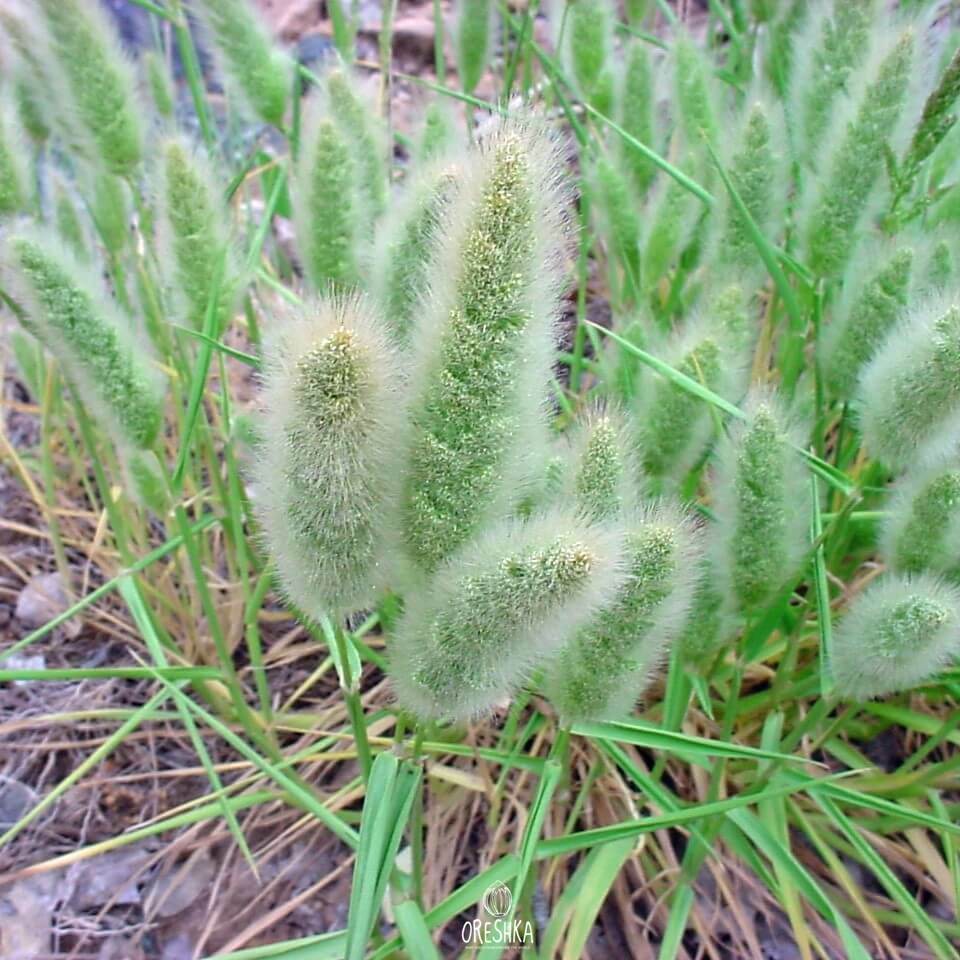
864	319
637	114
922	529
601	478
94	76
67	310
830	46
253	65
897	634
760	505
326	453
474	32
911	389
326	201
195	233
851	170
589	31
694	101
673	425
405	246
608	663
161	88
753	171
14	175
499	606
617	210
481	366
360	125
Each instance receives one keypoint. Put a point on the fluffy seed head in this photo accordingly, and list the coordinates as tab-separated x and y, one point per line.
95	78
358	122
589	33
864	319
753	172
495	609
158	79
474	31
14	173
66	309
254	67
898	633
831	45
694	95
636	114
607	664
109	209
405	246
326	453
911	388
673	425
708	624
481	367
326	201
619	215
923	515
760	503
194	232
857	160
601	477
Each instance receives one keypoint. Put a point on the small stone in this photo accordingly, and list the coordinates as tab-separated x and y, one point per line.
16	799
41	600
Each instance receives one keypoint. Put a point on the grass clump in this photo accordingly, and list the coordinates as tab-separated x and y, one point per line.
575	469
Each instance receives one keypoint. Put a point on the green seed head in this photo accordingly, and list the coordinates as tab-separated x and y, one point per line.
473	34
620	219
940	267
14	172
761	505
66	308
69	221
911	389
708	626
259	72
482	354
754	172
158	79
697	112
326	202
830	47
601	476
637	114
194	233
440	134
673	426
589	32
898	633
94	77
357	121
853	165
326	454
607	664
495	609
866	315
406	247
109	210
923	522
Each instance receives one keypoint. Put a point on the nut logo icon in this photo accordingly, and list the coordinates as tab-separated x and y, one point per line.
497	900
